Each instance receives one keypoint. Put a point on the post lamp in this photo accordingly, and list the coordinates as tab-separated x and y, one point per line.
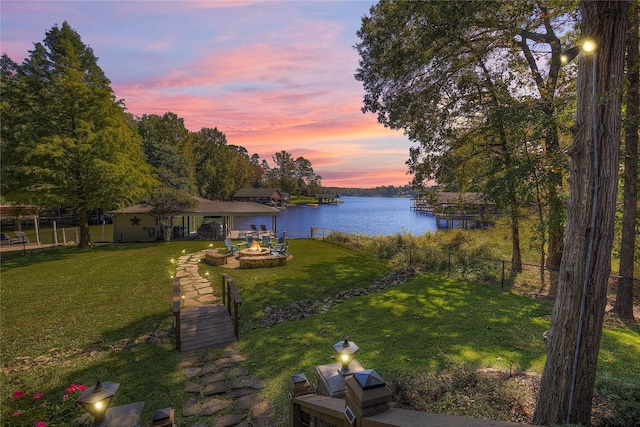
345	351
95	401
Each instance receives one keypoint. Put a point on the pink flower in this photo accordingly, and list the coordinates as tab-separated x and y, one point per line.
71	389
38	395
82	387
41	424
17	413
18	394
65	397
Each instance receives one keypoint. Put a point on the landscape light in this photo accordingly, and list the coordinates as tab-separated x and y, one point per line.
95	400
345	351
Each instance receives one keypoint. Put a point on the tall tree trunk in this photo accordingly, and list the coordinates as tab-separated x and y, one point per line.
624	297
566	387
516	255
85	236
556	236
556	205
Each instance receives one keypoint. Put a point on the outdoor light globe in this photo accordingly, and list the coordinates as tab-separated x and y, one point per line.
588	46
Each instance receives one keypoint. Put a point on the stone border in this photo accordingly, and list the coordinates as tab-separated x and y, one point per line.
263	261
303	309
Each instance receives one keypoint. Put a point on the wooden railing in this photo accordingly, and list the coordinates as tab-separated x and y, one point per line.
176	309
231	298
327	409
365	408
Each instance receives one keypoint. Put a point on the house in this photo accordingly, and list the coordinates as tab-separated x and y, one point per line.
208	220
329	198
265	196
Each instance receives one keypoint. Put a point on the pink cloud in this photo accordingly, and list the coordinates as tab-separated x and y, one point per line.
271	76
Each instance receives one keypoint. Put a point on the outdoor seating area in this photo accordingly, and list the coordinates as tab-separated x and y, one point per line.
256	232
251	252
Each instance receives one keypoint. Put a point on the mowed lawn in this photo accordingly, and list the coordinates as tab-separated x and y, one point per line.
69	315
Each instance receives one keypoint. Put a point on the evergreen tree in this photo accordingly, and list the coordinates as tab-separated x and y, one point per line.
66	141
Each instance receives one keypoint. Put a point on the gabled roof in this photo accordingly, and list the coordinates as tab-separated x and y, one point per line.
259	193
211	208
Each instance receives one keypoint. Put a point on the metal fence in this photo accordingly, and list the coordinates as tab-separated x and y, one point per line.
49	237
532	279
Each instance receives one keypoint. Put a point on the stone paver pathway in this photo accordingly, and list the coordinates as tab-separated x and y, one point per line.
222	393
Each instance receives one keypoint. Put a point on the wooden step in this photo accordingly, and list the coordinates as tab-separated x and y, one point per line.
205	327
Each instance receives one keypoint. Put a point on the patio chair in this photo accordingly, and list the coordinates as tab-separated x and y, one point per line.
280	249
263	230
5	239
254	229
21	237
266	242
231	248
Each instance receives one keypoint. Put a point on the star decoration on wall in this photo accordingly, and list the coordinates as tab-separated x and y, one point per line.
135	221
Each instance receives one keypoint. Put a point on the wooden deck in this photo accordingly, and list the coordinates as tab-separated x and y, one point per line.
205	327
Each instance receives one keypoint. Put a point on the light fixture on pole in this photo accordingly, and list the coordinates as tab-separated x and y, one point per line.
345	351
95	401
587	46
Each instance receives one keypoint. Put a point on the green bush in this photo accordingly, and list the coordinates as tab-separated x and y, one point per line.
624	398
463	390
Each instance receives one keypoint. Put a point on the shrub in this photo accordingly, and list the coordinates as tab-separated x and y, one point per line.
37	410
623	396
462	390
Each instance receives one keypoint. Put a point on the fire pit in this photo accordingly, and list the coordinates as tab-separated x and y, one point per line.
256	256
254	250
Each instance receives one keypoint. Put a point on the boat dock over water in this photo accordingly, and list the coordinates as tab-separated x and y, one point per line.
455	210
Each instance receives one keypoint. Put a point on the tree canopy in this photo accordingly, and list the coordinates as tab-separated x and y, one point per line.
476	86
66	141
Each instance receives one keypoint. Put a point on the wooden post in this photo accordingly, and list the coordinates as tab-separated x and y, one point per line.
366	394
298	386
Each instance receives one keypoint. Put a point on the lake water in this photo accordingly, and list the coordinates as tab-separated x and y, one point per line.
360	215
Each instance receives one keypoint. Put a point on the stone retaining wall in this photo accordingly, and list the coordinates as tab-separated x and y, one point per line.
265	261
213	257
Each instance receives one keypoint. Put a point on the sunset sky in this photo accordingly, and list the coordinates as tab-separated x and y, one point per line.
270	75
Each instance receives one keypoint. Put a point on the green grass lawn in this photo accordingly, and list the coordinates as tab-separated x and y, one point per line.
63	310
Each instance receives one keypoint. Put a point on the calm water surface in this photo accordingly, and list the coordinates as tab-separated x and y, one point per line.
362	215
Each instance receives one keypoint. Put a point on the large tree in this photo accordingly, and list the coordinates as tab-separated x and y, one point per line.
293	176
433	68
220	169
65	139
566	388
624	297
167	144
